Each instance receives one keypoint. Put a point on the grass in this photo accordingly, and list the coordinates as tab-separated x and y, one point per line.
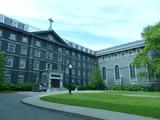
114	101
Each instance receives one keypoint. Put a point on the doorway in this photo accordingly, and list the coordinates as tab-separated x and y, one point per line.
55	83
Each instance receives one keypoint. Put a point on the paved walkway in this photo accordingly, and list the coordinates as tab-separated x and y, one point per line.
84	111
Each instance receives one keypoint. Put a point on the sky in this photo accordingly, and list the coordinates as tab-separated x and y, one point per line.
95	24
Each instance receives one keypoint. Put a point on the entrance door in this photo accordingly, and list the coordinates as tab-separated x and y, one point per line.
55	83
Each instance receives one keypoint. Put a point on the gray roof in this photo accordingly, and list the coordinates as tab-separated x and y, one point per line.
122	47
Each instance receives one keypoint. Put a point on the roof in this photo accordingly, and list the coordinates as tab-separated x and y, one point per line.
122	47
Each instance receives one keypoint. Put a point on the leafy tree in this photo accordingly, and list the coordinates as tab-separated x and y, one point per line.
97	81
150	55
2	60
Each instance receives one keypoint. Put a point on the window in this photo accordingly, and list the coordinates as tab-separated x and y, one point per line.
24	40
84	73
11	47
60	58
60	67
73	71
79	63
1	33
0	45
130	53
67	60
22	63
132	71
79	73
73	62
20	79
12	36
123	54
37	43
47	55
73	54
36	65
104	73
37	53
15	23
24	50
7	77
84	65
67	70
117	75
48	66
67	52
9	61
51	56
60	50
79	56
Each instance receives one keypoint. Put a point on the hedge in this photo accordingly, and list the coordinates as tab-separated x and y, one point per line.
15	87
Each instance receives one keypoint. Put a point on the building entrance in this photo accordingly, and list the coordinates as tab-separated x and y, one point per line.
55	83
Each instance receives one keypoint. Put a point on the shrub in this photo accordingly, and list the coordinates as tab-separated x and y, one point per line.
15	87
73	86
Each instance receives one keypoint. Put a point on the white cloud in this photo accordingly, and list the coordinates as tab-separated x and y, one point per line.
120	19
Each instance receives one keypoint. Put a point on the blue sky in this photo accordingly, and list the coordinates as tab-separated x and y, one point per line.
96	24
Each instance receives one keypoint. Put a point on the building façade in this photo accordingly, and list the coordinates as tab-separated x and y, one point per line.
42	56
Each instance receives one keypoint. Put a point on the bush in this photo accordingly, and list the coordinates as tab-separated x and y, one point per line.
73	86
15	87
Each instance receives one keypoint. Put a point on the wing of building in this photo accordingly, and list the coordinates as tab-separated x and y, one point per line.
33	55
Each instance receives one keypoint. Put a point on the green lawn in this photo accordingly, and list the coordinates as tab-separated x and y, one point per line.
141	103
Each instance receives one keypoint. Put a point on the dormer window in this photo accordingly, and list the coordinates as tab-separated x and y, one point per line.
12	36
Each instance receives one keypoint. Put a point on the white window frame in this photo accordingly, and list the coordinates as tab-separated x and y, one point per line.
22	63
67	70
9	45
37	63
15	23
12	36
24	40
20	79
130	53
48	66
1	33
37	53
24	50
60	50
117	81
60	58
132	80
11	61
38	43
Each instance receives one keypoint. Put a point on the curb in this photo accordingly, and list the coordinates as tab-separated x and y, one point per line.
84	112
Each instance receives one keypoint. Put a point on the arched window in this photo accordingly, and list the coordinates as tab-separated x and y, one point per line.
117	72
132	71
104	73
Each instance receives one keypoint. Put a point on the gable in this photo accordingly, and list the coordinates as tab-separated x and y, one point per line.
51	36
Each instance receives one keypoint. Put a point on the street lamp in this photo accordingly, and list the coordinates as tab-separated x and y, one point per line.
121	77
70	78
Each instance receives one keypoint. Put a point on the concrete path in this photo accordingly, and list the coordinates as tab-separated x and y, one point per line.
84	111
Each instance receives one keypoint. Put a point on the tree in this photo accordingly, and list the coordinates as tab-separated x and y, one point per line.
97	81
150	55
2	66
